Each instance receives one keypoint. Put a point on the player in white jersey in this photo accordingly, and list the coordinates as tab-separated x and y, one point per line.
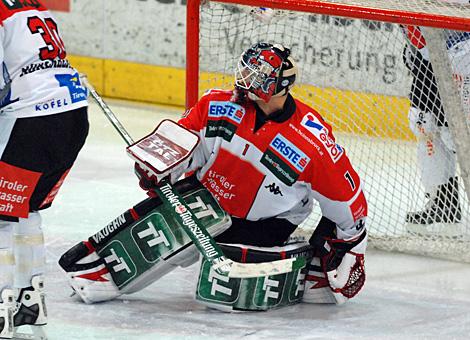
43	126
436	149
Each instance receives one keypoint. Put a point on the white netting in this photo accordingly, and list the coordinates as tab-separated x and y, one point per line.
452	8
353	73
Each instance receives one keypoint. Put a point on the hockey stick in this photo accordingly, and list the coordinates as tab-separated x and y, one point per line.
107	111
209	249
204	242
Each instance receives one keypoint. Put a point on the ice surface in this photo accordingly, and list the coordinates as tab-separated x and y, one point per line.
405	297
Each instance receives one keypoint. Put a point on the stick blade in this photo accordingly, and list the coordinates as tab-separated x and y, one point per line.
248	270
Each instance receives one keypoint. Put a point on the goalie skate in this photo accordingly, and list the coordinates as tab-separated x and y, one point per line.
441	216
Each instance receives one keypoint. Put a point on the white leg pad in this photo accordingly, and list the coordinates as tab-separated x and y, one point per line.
29	249
7	259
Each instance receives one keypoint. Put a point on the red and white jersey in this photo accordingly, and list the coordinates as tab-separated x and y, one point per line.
278	170
35	77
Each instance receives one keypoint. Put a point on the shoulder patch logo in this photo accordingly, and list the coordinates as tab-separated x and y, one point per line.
223	119
225	109
316	128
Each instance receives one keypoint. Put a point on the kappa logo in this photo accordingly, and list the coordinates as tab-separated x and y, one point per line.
360	224
290	152
273	188
315	126
232	111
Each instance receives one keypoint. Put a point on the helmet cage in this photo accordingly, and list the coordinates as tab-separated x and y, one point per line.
260	68
253	76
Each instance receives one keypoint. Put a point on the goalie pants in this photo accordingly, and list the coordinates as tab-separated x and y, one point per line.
269	232
35	156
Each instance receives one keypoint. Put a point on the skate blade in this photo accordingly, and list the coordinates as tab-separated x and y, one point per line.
38	333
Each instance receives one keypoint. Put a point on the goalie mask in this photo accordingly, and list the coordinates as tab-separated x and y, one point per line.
266	70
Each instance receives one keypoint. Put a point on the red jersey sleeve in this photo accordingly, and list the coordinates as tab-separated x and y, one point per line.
335	183
195	118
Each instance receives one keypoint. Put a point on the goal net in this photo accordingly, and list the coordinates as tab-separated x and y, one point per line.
357	73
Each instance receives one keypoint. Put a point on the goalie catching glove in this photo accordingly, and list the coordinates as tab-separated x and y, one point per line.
337	272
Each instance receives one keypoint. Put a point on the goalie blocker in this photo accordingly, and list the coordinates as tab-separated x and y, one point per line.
140	246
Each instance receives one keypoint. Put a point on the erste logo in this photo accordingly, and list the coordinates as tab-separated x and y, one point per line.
288	151
232	111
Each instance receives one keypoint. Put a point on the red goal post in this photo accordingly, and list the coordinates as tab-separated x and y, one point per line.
365	120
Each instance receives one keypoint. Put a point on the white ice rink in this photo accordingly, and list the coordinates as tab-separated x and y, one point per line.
405	297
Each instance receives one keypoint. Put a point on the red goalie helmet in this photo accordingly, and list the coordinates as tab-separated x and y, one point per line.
266	70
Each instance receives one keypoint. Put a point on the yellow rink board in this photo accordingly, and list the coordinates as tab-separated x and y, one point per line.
352	112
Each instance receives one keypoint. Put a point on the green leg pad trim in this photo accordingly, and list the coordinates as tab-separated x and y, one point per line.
152	246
